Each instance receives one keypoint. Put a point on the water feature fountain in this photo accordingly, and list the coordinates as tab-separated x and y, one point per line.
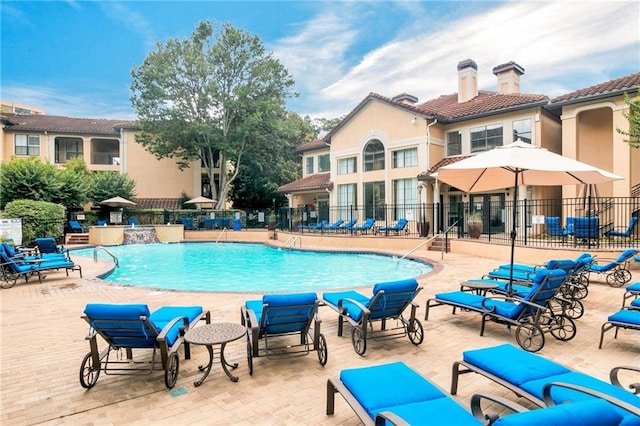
140	235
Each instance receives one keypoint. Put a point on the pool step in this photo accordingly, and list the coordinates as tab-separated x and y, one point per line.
77	239
438	245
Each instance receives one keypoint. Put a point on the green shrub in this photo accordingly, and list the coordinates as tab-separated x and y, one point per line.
39	219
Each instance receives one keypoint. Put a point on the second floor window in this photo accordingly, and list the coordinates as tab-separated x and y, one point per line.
454	143
27	145
309	166
522	130
373	156
405	158
486	138
324	163
347	165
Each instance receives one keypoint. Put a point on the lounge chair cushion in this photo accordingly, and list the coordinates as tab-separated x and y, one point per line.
351	310
405	392
513	371
584	413
163	316
627	316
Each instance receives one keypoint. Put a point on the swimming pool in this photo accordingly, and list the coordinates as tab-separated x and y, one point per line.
242	267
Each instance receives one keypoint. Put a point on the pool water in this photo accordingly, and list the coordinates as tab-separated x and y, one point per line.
239	267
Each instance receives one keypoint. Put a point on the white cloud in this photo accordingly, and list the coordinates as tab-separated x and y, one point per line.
551	40
134	21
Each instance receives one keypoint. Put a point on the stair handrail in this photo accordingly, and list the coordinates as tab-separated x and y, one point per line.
418	246
98	248
291	241
222	232
445	246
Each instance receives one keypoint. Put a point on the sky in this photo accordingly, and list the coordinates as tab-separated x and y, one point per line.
74	58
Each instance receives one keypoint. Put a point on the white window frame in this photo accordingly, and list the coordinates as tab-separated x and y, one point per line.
347	166
407	157
26	145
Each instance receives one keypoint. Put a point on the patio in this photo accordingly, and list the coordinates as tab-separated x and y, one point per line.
43	345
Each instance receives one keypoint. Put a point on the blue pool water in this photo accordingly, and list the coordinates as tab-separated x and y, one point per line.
239	267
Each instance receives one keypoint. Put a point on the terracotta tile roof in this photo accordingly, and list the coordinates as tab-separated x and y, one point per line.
629	83
158	203
312	146
59	124
313	182
444	162
446	108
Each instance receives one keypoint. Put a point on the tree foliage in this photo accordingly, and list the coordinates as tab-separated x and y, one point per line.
633	134
210	99
107	185
39	218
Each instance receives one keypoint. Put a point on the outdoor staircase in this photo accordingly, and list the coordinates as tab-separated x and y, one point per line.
438	245
77	239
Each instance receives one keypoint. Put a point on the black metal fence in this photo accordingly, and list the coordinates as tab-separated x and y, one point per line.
583	222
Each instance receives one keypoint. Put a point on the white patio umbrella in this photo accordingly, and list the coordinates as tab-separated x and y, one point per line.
200	200
117	202
516	164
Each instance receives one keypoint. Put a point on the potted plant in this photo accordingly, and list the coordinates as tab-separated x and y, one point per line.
474	225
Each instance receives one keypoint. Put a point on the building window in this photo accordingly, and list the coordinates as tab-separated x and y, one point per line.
454	143
374	199
404	158
486	137
405	197
27	145
347	166
105	152
309	165
324	163
373	156
522	130
347	199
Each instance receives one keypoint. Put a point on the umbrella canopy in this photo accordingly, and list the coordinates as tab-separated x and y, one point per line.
495	169
516	164
200	200
117	202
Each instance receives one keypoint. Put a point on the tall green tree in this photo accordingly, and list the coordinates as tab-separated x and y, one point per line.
29	179
105	185
208	99
633	134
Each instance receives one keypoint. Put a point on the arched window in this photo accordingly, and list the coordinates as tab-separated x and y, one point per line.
373	156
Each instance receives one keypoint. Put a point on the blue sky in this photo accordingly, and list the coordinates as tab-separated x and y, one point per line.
74	58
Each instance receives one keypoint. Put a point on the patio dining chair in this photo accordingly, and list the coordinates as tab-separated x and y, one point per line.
134	327
388	303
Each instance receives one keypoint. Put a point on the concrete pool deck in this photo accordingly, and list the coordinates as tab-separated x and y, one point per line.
43	343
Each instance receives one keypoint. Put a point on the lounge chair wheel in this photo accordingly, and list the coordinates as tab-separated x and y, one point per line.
171	372
88	372
358	340
562	328
574	309
250	356
322	350
618	278
416	332
580	291
8	282
530	337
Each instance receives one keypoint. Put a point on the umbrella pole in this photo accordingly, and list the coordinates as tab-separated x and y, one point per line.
513	235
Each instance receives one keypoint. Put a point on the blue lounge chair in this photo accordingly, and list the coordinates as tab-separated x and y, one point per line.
11	269
631	292
616	270
133	326
389	301
627	318
207	223
531	314
626	233
365	227
75	226
133	221
334	226
283	325
101	223
187	222
32	254
396	394
348	226
400	226
527	374
586	229
49	246
555	229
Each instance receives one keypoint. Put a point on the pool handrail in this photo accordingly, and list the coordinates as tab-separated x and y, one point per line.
222	232
98	248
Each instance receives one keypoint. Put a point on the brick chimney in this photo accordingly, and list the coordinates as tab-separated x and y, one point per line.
508	77
467	80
